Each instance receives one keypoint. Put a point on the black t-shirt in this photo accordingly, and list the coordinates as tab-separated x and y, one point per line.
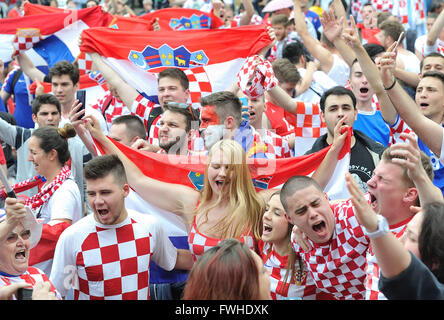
361	164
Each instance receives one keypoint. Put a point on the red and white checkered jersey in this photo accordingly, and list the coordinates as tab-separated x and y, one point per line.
302	286
142	108
199	243
111	261
32	275
396	129
338	266
116	108
280	145
372	278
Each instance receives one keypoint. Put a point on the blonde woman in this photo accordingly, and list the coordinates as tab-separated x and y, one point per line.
227	207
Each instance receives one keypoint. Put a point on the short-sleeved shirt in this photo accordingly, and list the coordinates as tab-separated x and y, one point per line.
23	109
111	262
338	267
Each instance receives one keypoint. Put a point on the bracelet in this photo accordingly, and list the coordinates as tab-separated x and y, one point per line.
391	87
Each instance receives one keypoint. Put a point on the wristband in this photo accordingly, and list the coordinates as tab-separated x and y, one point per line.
391	87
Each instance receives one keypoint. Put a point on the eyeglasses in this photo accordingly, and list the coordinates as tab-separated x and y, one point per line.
182	105
24	235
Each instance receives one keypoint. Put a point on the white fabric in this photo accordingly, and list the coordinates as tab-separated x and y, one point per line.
340	71
65	203
75	242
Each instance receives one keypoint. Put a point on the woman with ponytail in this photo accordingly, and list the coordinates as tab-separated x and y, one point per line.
58	202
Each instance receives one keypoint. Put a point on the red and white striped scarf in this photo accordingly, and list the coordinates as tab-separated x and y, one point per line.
45	193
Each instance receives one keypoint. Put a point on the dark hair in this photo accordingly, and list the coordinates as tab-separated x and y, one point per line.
285	71
433	54
293	51
337	91
100	167
45	98
382	16
373	49
191	114
134	125
225	272
64	67
295	184
431	239
434	74
226	104
55	139
175	73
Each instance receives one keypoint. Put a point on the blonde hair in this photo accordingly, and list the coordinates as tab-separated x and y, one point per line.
244	212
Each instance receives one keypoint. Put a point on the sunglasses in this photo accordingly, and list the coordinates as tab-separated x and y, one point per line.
182	105
24	235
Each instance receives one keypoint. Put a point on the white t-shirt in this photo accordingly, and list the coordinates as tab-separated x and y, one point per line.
340	71
65	203
411	62
422	47
110	262
321	83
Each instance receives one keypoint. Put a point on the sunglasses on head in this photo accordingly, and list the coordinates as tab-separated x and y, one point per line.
182	105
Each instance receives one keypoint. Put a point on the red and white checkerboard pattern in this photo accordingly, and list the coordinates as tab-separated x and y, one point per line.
199	243
309	123
280	145
84	62
32	275
372	278
199	84
339	267
301	286
25	39
395	131
114	264
115	109
260	72
142	108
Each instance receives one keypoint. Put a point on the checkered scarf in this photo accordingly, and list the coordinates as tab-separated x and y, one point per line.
260	72
45	194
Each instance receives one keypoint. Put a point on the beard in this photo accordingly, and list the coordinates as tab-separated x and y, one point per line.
174	146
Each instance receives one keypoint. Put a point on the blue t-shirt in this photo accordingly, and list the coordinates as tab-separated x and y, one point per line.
374	126
438	167
23	110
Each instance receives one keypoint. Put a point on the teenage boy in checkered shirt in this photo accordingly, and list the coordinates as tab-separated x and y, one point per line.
107	254
337	251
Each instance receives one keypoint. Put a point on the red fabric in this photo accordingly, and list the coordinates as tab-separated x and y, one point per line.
168	14
44	250
267	173
2	157
119	44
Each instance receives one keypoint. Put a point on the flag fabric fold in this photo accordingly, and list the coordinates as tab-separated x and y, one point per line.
266	173
179	19
208	57
51	36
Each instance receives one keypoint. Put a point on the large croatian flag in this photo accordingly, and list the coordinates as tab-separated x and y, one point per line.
47	38
209	57
266	173
107	19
